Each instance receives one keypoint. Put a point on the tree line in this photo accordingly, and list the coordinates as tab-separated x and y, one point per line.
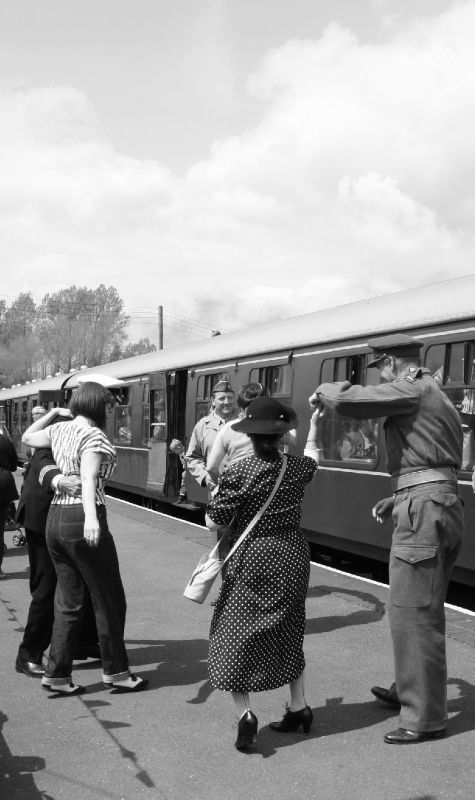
69	329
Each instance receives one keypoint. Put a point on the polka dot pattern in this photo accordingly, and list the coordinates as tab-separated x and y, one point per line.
257	629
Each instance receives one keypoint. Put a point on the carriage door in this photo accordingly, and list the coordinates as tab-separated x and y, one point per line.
158	439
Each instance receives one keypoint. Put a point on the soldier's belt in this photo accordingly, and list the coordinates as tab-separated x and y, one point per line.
423	476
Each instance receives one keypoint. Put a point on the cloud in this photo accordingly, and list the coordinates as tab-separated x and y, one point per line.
357	179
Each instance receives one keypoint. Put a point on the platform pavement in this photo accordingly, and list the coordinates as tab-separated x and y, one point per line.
175	740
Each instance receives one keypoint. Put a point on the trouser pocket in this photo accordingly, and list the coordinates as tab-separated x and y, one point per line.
412	568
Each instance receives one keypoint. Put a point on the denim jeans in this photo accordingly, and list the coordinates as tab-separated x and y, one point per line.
78	565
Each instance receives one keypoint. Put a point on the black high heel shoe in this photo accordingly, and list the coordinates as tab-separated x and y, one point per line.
247	731
293	720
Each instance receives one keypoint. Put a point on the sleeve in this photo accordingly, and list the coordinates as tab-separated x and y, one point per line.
195	458
218	451
8	457
228	498
309	468
47	470
95	441
394	399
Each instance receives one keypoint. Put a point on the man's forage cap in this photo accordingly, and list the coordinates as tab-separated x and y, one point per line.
222	386
398	345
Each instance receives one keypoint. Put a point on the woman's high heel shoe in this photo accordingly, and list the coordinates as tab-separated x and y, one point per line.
293	720
247	731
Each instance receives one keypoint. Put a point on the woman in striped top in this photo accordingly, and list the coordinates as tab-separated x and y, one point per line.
79	540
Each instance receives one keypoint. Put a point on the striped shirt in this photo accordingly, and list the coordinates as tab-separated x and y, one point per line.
69	440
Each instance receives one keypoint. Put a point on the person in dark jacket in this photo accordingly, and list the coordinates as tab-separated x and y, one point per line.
424	453
8	490
41	478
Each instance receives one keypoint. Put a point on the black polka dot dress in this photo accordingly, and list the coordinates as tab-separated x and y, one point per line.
257	629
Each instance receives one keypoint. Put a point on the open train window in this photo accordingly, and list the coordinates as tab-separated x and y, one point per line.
453	366
123	419
348	441
276	380
203	392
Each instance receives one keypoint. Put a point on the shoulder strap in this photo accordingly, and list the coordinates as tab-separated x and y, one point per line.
261	511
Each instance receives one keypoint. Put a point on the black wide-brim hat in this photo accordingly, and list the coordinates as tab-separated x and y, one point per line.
268	416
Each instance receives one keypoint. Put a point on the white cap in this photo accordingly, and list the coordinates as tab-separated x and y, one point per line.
103	380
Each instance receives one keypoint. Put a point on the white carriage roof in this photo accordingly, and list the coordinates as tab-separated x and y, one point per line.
434	304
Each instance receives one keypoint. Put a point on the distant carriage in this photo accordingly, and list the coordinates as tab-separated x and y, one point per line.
167	391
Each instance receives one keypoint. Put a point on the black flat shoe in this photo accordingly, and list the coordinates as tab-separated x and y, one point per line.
30	668
293	720
386	697
403	736
247	731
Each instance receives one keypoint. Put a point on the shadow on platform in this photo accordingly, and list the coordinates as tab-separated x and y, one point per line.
16	773
371	610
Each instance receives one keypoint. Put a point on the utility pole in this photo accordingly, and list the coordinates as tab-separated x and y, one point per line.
160	327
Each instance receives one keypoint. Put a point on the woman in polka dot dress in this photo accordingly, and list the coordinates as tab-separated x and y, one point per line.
256	636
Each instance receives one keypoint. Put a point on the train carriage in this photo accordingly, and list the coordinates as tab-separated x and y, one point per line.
166	392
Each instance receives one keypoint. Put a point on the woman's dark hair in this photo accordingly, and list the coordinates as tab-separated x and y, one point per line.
265	445
249	392
90	401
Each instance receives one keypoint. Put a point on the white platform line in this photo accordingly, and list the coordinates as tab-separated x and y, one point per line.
313	563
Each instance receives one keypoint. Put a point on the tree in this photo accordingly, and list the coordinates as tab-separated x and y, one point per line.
81	326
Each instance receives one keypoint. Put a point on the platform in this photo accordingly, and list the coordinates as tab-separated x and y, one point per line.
175	740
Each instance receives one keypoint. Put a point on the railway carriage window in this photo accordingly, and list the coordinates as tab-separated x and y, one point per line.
343	439
145	413
277	380
203	392
158	415
435	361
16	418
24	415
123	420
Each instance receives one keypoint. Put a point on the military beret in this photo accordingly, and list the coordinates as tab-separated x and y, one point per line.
222	386
398	345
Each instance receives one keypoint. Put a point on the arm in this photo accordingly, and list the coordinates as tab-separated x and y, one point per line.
215	457
212	526
195	461
311	447
383	510
400	397
38	434
9	458
90	464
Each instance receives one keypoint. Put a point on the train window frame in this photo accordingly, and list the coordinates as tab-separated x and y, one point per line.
265	375
351	443
158	414
145	412
204	387
461	393
122	413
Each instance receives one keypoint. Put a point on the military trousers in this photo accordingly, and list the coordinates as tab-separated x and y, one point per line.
427	538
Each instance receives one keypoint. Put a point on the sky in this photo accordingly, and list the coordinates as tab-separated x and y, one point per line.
235	161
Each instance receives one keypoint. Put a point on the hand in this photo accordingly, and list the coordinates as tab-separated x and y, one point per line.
313	400
63	412
383	510
71	485
210	483
318	413
92	531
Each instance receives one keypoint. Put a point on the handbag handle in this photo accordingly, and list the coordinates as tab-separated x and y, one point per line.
261	511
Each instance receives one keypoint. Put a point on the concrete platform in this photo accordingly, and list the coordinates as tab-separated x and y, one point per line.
175	740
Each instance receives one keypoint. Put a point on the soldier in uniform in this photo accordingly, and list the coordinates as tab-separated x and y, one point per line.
424	450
